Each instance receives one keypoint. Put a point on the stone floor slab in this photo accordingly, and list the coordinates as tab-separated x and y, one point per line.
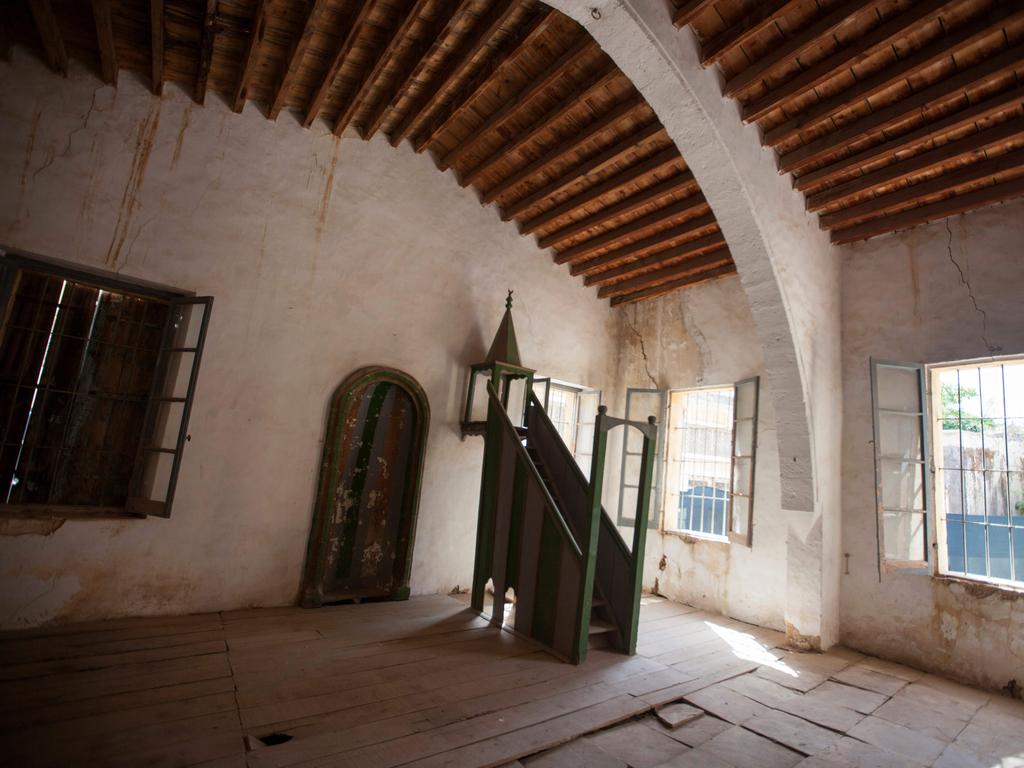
675	715
638	745
899	739
793	732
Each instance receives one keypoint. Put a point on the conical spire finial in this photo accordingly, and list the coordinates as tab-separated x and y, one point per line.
505	348
508	300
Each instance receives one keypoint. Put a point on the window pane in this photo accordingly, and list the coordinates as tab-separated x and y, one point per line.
741	476
899	389
1016	491
1015	443
955	546
952	494
995	498
902	485
1018	554
744	437
994	436
746	402
999	553
740	514
1013	377
904	536
976	550
899	435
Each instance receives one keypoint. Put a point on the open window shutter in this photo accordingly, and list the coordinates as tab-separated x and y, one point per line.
744	461
589	402
542	390
640	403
170	402
901	487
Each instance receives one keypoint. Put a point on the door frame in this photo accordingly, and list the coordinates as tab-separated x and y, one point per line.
341	401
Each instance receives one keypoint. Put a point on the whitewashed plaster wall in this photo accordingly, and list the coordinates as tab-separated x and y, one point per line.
705	336
323	256
903	299
788	270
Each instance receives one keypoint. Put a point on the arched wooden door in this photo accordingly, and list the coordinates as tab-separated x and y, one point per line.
364	522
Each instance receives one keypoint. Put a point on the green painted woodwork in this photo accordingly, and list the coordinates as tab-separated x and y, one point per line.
549	566
337	438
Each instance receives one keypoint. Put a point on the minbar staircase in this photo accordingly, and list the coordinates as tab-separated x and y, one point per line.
543	533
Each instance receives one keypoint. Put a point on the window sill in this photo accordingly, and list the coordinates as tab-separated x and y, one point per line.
691	537
63	512
983	587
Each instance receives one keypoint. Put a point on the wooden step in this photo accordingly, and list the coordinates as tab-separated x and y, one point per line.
600	626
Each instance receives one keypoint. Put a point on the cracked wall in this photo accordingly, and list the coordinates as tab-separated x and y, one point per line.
323	256
705	336
904	299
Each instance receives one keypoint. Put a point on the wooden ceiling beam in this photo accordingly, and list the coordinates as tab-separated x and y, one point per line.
673	236
851	55
324	88
632	204
996	193
103	18
688	207
598	80
934	159
936	51
891	201
674	285
662	160
420	54
692	248
1001	102
940	94
492	71
572	143
370	76
252	47
296	52
461	58
49	34
206	51
156	45
783	55
514	102
581	170
690	10
760	17
685	268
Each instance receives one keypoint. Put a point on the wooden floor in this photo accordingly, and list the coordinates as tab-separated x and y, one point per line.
429	683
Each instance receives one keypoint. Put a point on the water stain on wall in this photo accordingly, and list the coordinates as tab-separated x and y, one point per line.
129	200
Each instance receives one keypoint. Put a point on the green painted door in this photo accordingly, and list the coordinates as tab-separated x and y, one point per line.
374	481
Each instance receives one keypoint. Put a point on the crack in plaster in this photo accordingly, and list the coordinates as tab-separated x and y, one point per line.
67	148
993	349
643	349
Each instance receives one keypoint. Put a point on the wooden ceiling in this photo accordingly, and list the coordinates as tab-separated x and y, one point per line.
513	96
888	113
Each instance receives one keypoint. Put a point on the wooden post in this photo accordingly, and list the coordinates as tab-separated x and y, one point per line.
643	504
589	544
488	501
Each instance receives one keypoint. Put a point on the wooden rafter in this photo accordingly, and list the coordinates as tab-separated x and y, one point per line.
206	51
762	16
369	78
324	88
689	249
296	52
978	198
156	45
918	137
658	162
629	107
942	48
690	230
941	93
847	57
49	33
689	10
461	58
892	201
598	80
574	174
685	268
686	208
783	55
674	285
103	18
252	46
517	101
491	72
933	160
675	185
420	54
